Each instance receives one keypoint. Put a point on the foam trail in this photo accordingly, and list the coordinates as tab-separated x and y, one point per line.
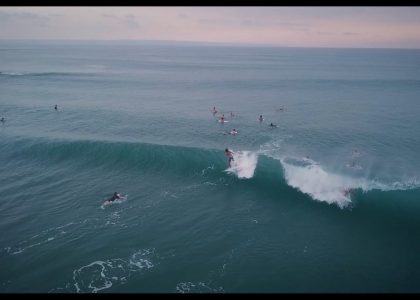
244	164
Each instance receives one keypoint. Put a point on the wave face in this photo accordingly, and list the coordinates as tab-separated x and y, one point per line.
302	174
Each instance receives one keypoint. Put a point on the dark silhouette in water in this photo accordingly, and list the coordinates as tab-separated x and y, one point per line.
114	197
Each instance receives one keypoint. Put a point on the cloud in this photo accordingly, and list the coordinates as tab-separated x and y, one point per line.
24	19
109	16
130	21
351	33
22	16
211	21
324	33
293	26
251	23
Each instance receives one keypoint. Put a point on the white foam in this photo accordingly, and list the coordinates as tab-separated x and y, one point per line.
309	177
102	280
408	184
100	275
313	180
199	287
138	261
244	164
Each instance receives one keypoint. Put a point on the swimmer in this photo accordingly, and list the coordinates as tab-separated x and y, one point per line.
273	125
222	119
229	153
55	107
261	118
214	110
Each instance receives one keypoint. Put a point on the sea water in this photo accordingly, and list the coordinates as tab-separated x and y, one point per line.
329	201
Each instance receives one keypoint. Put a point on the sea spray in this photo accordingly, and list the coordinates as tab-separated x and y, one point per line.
244	164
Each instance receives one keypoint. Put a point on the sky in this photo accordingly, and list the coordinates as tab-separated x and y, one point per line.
349	27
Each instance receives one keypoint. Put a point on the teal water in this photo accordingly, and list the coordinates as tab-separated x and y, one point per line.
137	119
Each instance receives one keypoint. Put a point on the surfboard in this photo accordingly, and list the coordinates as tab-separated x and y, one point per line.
220	121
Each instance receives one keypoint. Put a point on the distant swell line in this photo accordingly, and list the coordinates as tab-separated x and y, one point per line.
46	74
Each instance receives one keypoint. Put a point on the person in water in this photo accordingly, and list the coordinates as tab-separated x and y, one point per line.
273	125
214	110
55	107
114	197
222	119
261	118
229	153
233	132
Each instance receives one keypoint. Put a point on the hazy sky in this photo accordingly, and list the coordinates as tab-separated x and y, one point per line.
385	27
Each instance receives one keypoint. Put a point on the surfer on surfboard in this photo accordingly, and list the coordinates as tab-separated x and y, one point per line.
229	153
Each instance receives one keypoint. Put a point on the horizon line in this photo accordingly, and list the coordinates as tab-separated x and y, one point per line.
211	43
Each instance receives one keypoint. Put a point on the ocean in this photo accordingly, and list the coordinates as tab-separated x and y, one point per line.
327	201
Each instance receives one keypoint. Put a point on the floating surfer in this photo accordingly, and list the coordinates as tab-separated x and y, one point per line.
114	197
222	119
232	132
